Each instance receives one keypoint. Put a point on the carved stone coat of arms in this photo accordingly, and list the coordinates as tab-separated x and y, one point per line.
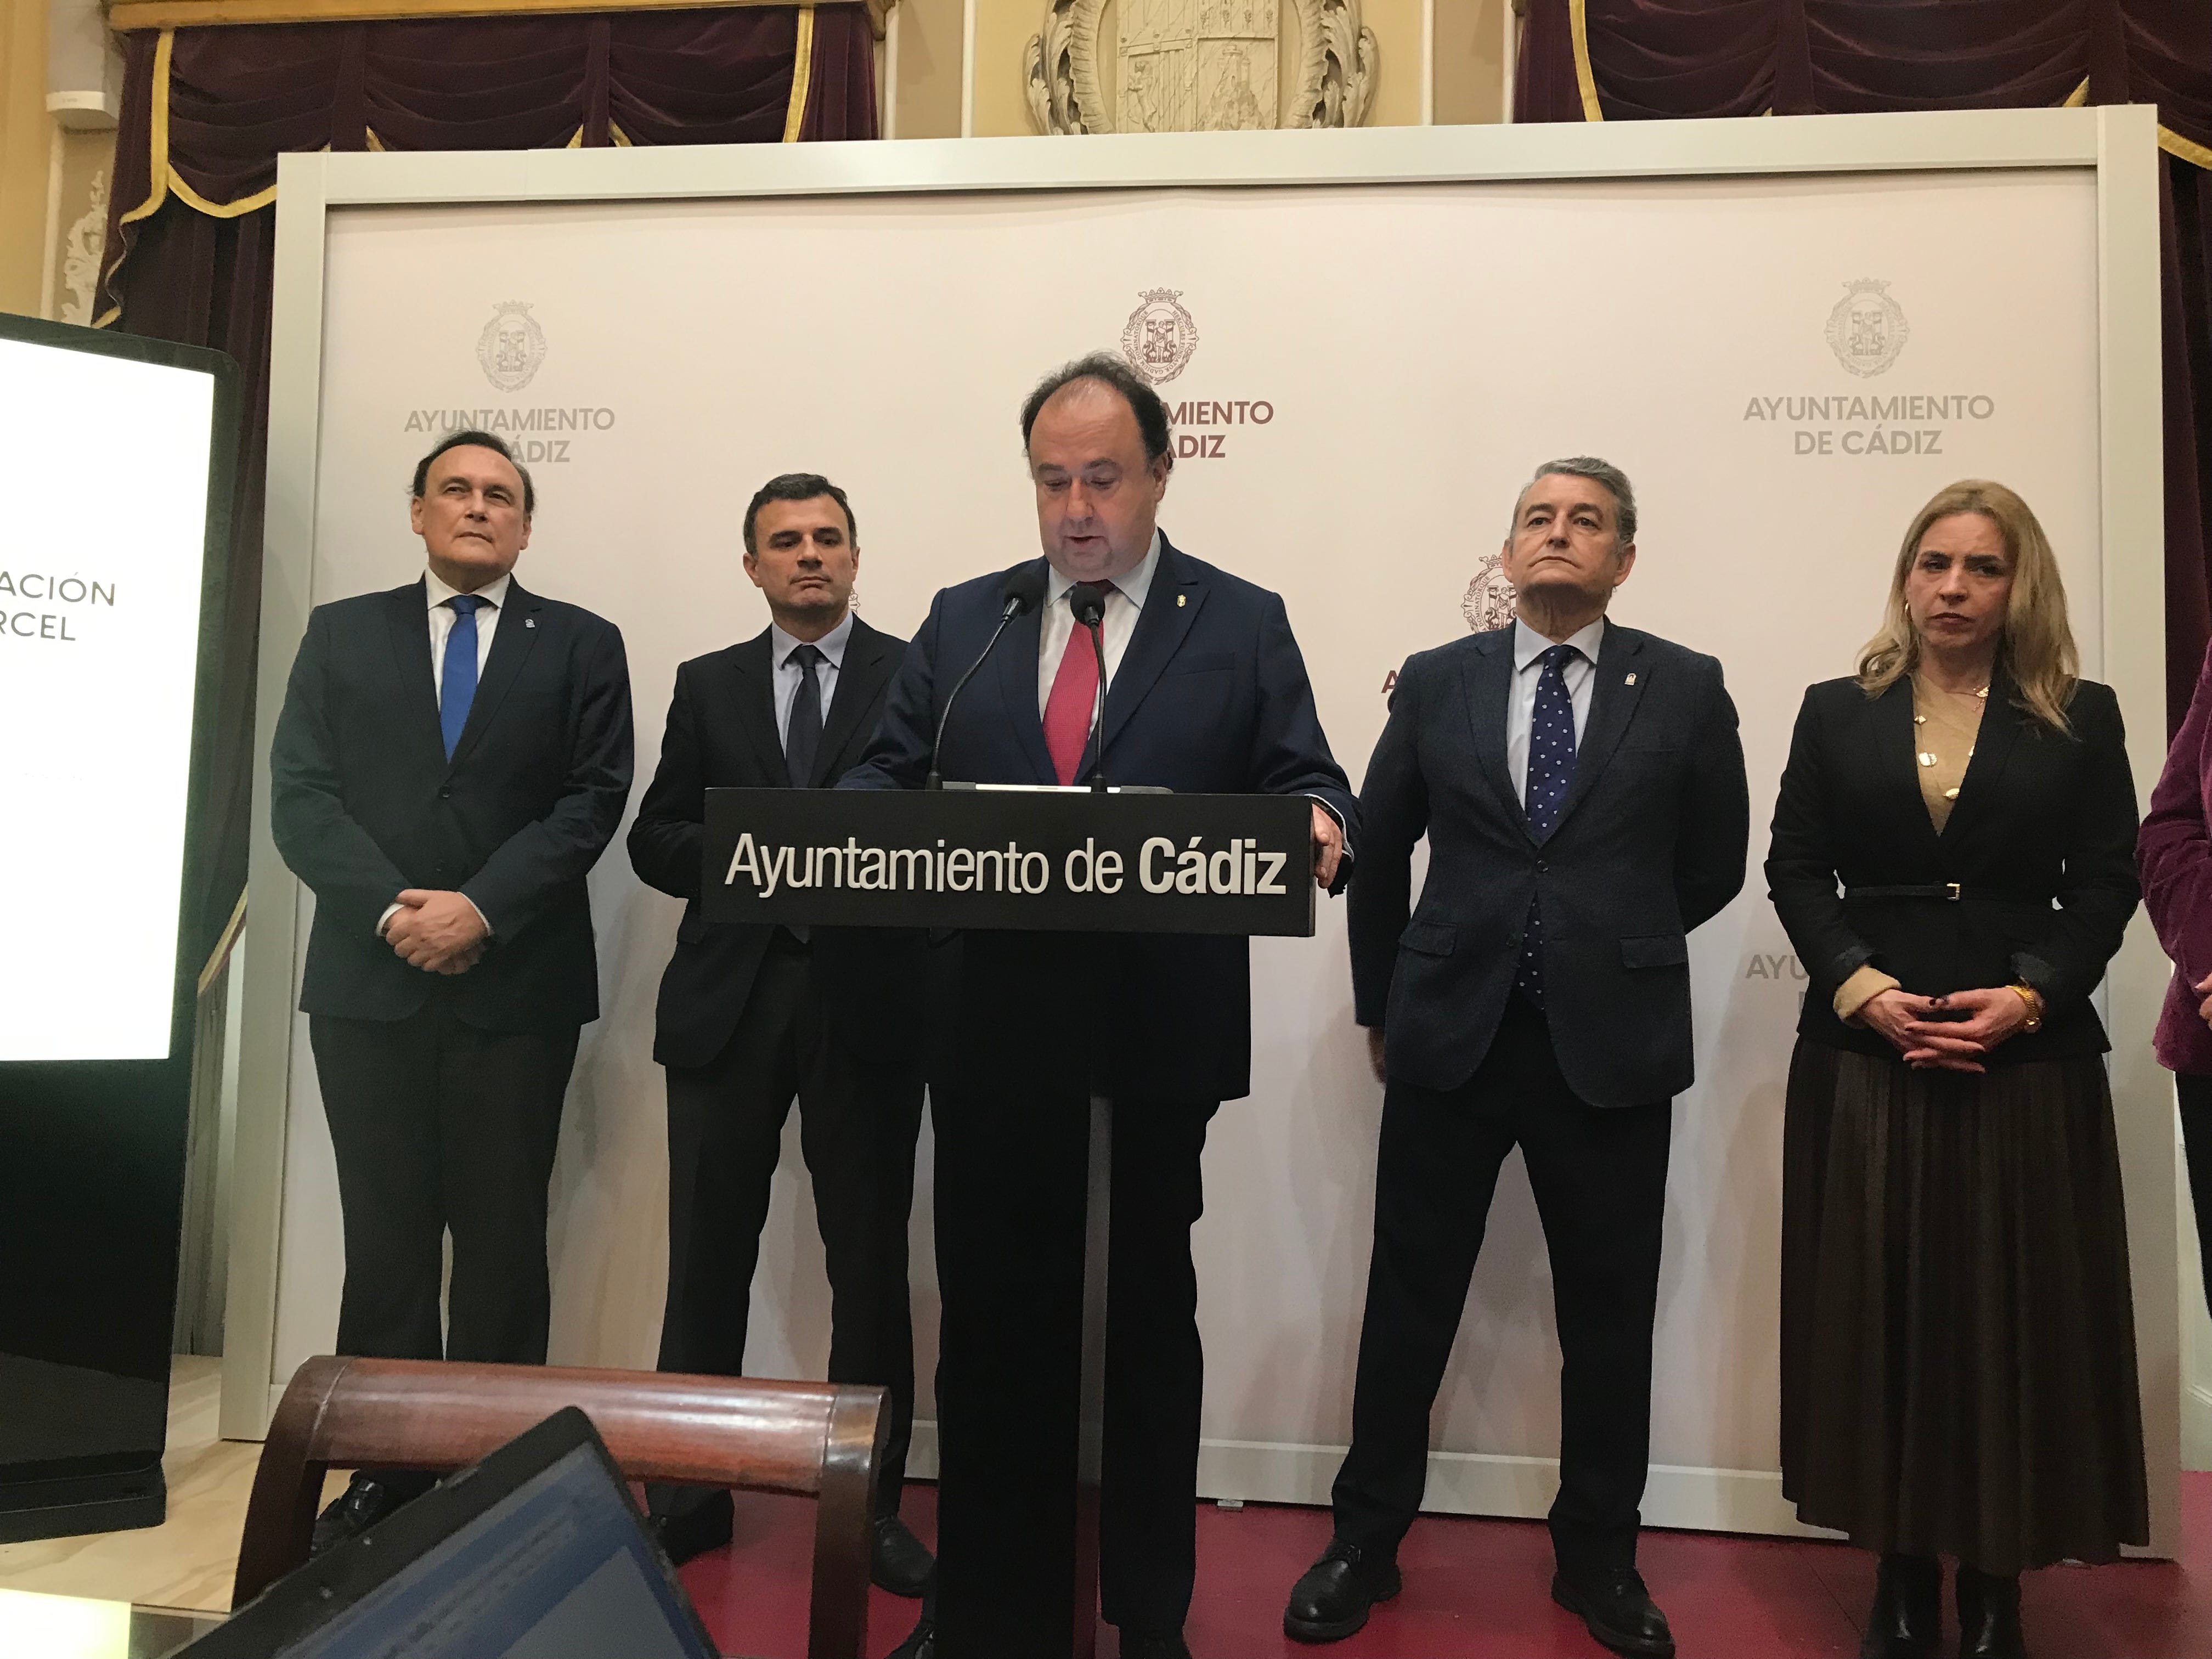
1203	66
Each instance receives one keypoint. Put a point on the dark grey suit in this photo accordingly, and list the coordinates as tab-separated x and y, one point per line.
1649	843
748	1019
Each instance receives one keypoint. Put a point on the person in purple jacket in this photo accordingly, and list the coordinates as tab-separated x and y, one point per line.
2174	855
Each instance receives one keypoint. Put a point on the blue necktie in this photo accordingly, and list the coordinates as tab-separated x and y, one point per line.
457	687
1550	770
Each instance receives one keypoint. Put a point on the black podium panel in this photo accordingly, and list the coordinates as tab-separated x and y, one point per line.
1057	861
1060	861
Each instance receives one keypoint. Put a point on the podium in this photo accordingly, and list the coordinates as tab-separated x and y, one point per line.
1042	859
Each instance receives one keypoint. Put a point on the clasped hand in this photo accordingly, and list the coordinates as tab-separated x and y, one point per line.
1918	1029
439	933
1327	846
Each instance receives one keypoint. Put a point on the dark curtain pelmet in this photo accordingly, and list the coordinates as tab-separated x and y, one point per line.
239	97
1654	59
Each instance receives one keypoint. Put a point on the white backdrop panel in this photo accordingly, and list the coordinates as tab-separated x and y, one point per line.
1418	349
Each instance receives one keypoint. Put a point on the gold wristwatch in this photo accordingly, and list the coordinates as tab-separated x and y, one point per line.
2033	998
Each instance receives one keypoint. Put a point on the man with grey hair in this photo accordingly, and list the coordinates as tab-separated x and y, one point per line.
1589	814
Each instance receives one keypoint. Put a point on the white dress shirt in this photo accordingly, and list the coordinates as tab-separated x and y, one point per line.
780	645
1124	599
494	595
1580	673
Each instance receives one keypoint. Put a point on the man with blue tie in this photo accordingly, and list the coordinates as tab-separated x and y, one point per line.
453	757
1581	785
1206	692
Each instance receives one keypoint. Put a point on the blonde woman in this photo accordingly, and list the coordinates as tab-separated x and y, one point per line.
1952	857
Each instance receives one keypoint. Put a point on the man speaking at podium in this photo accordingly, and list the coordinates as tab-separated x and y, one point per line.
1205	693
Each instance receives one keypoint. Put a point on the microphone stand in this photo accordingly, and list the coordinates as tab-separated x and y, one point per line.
1098	756
1090	611
1015	603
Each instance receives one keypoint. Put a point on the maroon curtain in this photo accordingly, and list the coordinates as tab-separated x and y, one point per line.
1658	58
237	97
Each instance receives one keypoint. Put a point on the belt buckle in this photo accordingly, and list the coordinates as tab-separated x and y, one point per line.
1951	891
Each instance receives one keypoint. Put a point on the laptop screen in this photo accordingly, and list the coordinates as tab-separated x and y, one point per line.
559	1570
557	1566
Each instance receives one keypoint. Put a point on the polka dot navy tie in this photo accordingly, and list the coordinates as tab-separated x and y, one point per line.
1550	770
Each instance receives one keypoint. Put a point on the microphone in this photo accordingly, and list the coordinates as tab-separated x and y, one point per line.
1021	592
1090	609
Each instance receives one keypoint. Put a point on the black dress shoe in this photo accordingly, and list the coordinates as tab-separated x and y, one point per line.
367	1500
1332	1598
1619	1611
1988	1616
1136	1645
920	1642
897	1561
1907	1619
685	1532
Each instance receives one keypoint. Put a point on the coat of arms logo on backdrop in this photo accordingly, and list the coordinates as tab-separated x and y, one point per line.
1867	329
1160	337
511	346
1489	601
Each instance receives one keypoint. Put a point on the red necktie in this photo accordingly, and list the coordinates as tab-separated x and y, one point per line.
1075	698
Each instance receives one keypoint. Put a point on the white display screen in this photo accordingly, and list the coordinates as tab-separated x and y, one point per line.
104	467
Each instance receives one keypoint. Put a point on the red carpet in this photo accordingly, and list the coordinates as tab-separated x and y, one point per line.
1477	1589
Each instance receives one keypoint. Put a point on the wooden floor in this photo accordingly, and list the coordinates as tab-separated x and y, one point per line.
1475	1588
188	1561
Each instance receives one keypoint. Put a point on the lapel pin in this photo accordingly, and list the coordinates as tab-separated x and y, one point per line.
1182	599
1630	680
532	621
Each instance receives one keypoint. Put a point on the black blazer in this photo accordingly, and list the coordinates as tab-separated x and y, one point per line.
2040	817
1210	696
1649	843
721	734
364	803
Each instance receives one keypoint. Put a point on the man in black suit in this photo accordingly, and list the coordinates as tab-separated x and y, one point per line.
752	1016
1582	788
452	759
1206	690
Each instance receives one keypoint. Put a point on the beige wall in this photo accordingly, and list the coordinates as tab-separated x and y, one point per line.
1003	28
25	151
1468	53
928	92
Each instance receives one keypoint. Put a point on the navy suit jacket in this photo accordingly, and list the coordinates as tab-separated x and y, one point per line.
1649	843
364	802
1211	698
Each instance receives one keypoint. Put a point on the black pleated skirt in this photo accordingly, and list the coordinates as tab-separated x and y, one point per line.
1958	1343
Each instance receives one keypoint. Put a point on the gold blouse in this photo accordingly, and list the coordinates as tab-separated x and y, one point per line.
1945	725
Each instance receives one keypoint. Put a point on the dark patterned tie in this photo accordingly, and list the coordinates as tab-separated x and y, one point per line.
802	737
457	685
1551	771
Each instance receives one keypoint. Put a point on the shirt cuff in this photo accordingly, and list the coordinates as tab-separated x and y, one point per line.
1866	983
392	910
